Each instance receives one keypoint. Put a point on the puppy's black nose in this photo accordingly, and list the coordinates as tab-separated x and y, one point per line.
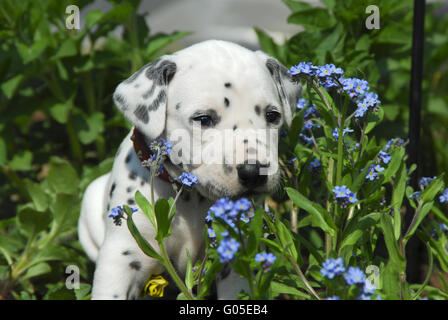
249	175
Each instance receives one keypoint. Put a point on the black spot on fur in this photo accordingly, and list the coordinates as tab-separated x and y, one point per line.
129	189
112	188
250	121
136	265
132	175
227	84
142	183
120	101
108	207
234	127
257	110
126	253
115	296
128	157
149	92
200	197
178	106
131	201
226	102
161	71
161	98
141	112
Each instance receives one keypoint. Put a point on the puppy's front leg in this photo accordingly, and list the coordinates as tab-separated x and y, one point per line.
122	269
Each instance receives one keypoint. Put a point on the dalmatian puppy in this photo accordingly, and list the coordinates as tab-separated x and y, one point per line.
215	86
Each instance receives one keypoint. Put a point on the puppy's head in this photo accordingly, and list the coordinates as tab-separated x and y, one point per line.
222	106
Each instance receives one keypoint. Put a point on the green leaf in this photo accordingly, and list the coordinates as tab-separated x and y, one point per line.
37	194
88	127
286	239
374	118
142	243
31	221
66	49
21	161
395	33
431	191
51	253
146	207
397	198
390	282
421	214
65	211
255	231
272	244
296	6
83	292
162	209
61	111
314	19
59	292
9	87
360	228
62	177
37	270
280	288
119	13
30	53
189	279
395	163
158	42
395	256
93	17
321	218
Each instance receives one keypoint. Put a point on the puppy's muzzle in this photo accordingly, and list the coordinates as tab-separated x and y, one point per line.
249	175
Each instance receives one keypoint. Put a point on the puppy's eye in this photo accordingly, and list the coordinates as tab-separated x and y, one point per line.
273	117
206	121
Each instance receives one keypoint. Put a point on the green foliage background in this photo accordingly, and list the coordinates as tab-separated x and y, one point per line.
59	129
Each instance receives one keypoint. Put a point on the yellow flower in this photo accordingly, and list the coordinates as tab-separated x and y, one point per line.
155	285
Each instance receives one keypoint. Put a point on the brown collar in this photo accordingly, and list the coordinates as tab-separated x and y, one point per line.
143	153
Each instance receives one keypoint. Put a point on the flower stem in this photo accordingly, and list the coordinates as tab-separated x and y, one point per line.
172	271
302	276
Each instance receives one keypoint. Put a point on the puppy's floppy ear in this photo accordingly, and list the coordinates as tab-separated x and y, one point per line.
288	91
143	97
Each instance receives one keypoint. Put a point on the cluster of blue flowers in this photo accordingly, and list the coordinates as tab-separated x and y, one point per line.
117	213
308	115
227	249
444	197
314	166
266	259
231	213
187	179
330	76
333	268
335	132
374	172
161	150
344	196
426	181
